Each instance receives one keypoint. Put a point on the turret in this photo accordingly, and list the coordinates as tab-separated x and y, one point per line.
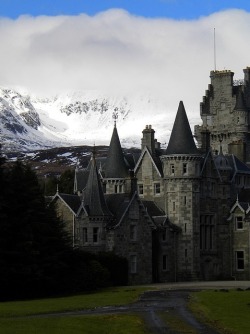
93	197
116	174
182	186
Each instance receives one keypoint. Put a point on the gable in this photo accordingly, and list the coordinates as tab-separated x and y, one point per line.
146	161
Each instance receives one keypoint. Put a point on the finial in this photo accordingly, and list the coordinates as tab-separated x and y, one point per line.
94	151
115	116
237	200
57	188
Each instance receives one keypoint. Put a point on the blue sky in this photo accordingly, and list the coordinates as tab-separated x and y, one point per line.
176	9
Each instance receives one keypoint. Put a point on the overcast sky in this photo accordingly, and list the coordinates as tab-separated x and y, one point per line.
109	48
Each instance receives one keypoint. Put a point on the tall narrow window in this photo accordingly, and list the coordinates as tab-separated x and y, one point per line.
164	235
140	189
172	169
164	262
133	264
157	188
95	234
239	257
173	206
184	168
132	232
85	235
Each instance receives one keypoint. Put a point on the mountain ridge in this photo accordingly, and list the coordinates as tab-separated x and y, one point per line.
28	123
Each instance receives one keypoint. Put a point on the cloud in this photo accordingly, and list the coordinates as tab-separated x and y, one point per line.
115	50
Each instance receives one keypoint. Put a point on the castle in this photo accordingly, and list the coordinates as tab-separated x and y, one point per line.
178	214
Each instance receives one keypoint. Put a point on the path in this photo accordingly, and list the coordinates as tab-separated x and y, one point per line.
165	308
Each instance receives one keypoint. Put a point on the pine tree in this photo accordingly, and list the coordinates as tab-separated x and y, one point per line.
32	239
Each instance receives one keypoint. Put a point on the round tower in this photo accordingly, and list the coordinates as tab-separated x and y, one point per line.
181	165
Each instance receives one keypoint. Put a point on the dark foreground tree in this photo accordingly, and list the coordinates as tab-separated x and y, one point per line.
32	238
36	258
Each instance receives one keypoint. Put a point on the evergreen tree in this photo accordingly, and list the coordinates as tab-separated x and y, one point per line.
32	238
66	181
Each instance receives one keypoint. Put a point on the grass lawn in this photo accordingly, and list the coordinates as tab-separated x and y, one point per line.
14	316
108	324
112	296
229	310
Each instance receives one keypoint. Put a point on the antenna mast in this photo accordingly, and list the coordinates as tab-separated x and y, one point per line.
214	52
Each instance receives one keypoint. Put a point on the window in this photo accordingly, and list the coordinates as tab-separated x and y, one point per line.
132	232
140	189
133	264
95	234
104	187
157	188
172	169
239	223
184	168
207	232
239	257
118	188
85	235
164	235
164	262
223	105
173	206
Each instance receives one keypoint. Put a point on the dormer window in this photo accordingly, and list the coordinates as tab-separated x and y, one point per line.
157	188
140	189
239	223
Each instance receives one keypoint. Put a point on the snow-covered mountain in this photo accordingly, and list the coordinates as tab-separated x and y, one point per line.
28	123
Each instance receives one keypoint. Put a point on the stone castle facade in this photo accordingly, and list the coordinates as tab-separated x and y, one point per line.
178	214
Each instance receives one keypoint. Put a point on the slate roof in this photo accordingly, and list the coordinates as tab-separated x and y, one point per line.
73	201
93	197
81	178
115	166
181	140
153	209
237	165
117	204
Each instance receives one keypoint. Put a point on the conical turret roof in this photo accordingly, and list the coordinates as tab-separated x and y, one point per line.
94	200
181	140
115	166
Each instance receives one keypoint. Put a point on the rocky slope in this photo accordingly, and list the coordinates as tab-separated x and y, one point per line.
28	123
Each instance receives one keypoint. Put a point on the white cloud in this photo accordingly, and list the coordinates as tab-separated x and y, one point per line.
118	51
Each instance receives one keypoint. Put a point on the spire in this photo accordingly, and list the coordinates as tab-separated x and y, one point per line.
181	140
115	163
94	200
